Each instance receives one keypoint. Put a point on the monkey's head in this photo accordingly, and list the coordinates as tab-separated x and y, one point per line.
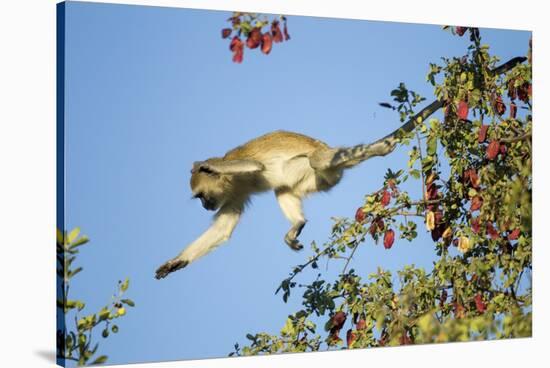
209	185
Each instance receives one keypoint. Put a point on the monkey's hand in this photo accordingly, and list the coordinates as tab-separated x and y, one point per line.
170	266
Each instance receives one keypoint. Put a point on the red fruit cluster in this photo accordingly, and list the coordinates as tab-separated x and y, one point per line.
475	224
431	190
480	304
458	310
226	32
440	227
523	92
376	226
389	238
405	339
470	178
236	46
350	337
337	321
361	325
461	30
462	110
492	150
491	231
335	324
255	38
500	107
482	133
476	203
360	215
266	43
276	32
386	197
514	235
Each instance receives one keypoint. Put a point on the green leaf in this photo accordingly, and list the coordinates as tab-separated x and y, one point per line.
73	234
72	273
432	145
80	241
128	302
124	285
103	314
100	360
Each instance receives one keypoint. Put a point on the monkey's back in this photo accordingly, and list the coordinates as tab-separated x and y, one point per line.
278	143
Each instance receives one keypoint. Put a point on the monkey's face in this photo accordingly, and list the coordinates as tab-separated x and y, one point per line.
210	187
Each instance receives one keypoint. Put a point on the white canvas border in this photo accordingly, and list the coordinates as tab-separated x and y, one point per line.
27	184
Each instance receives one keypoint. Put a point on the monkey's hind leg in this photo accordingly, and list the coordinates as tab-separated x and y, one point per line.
291	205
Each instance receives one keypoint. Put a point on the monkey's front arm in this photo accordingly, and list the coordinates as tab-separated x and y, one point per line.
218	233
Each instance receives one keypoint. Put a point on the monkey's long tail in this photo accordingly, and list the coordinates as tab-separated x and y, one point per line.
347	157
351	156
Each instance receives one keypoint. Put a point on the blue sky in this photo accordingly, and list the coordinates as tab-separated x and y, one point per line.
149	90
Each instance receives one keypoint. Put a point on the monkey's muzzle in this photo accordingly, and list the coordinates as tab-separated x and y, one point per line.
209	204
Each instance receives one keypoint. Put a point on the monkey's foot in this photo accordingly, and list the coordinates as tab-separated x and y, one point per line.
291	238
169	267
293	243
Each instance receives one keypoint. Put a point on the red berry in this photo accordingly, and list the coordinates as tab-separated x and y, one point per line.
338	320
350	337
482	133
480	304
405	339
524	92
276	32
236	46
471	178
491	231
266	43
226	32
512	90
514	234
376	226
477	201
462	111
389	237
475	224
385	198
460	31
254	38
500	107
360	215
492	150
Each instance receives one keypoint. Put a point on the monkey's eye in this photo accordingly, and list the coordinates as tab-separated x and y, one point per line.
198	195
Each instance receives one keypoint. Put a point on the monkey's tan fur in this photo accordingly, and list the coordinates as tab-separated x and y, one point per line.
291	164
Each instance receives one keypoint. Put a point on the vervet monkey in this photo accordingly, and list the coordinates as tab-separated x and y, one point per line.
291	164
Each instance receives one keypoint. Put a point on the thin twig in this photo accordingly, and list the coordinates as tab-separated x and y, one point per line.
350	257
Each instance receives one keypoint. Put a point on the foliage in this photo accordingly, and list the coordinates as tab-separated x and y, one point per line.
250	26
474	168
77	344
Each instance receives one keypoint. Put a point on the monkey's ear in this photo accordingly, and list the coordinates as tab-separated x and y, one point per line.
229	167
